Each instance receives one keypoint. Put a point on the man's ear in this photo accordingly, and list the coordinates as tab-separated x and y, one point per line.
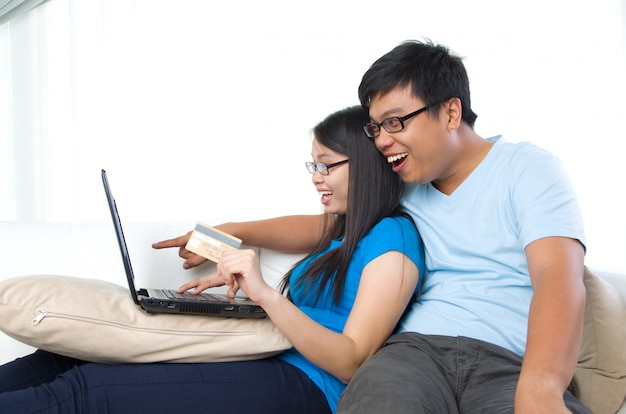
454	112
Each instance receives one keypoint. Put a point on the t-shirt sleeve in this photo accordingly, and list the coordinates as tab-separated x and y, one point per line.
394	234
546	204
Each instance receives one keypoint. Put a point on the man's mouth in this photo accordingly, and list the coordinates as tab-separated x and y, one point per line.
397	159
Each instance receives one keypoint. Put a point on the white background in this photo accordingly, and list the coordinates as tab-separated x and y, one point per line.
203	109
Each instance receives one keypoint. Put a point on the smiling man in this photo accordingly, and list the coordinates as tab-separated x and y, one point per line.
498	325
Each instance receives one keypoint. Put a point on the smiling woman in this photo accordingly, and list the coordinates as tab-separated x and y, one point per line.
194	96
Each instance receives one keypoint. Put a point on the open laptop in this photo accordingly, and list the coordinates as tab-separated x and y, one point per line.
169	301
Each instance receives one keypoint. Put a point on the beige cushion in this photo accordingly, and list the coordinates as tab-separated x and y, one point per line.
98	321
600	377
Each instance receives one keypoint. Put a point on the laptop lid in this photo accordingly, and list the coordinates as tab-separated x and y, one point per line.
169	301
119	232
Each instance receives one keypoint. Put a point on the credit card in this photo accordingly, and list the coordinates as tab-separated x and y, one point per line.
210	242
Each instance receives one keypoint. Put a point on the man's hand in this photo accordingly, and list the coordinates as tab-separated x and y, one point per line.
536	399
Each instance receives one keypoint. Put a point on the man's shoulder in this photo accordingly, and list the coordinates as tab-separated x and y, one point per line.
519	148
520	156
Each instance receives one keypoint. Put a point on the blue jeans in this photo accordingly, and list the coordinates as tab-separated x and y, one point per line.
416	373
49	383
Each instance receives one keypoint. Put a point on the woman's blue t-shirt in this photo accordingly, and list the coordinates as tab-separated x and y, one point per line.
390	234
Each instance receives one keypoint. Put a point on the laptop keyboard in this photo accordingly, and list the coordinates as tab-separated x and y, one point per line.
172	294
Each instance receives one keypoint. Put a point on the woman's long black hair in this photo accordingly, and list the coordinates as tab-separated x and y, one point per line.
374	192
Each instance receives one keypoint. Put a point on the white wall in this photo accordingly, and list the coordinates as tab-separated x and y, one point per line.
203	110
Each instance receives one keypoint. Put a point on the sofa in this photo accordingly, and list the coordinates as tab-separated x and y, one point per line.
90	250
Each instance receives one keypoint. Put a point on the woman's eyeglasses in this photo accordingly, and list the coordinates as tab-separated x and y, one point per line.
321	167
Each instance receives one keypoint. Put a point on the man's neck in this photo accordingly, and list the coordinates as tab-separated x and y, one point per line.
472	150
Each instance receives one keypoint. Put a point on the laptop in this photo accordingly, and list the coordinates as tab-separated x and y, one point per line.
170	301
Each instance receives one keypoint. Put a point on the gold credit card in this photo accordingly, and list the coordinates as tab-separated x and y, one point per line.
210	242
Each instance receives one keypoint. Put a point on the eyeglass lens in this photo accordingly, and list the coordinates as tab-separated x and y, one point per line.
321	167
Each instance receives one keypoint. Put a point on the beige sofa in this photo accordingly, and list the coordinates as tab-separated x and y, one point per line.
89	250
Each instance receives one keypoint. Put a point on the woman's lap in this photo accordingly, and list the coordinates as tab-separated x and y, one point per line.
267	385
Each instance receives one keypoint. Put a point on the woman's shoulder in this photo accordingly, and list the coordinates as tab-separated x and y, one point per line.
394	226
396	221
394	233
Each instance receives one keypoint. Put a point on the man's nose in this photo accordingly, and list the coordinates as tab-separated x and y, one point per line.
383	140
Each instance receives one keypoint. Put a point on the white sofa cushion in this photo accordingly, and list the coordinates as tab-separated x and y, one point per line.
600	378
97	321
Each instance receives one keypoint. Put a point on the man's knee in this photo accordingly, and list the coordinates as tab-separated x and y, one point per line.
391	381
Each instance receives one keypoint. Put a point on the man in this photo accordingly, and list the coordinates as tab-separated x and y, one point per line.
498	325
504	254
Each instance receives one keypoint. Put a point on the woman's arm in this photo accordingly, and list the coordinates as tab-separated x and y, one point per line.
295	234
387	281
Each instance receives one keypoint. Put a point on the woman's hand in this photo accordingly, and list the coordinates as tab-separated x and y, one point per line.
203	283
242	268
191	259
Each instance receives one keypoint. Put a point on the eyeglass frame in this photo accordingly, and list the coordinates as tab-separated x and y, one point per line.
312	167
401	119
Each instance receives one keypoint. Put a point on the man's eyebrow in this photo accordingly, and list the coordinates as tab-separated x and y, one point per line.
390	113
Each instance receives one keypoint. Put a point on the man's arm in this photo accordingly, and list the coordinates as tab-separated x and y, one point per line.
555	322
295	234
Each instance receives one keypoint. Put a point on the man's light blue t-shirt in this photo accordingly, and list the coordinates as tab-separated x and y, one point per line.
477	281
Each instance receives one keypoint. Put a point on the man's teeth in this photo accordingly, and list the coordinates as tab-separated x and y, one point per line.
394	158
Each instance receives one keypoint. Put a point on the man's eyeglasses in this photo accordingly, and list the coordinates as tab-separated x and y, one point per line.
321	167
394	124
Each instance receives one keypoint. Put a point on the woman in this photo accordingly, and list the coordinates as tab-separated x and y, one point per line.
342	301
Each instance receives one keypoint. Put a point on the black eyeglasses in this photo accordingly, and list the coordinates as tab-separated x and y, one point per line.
321	167
396	123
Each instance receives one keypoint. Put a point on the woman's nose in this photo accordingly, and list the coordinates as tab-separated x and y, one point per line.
317	177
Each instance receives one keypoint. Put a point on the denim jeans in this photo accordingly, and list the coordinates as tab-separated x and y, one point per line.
416	373
49	383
